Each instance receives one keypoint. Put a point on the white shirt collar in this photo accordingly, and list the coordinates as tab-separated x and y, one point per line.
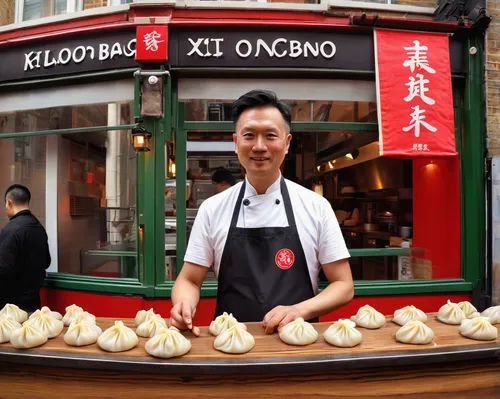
250	191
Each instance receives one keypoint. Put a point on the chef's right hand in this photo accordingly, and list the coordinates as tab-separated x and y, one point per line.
181	317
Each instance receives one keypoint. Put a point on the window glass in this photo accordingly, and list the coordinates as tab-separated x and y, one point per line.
34	9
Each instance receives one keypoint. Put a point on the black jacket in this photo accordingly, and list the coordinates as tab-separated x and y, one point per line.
24	256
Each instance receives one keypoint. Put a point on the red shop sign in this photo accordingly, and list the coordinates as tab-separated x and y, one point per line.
152	43
415	101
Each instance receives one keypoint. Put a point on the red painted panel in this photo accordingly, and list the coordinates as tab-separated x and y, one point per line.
103	305
436	214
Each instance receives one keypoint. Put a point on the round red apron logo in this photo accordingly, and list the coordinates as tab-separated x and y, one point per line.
284	259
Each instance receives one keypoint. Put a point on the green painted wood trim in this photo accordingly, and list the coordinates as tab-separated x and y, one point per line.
67	131
380	252
103	252
137	98
361	288
180	181
473	165
296	126
140	213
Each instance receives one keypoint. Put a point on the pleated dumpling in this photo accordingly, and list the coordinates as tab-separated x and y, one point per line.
469	310
13	310
7	326
28	336
47	311
298	332
169	342
46	324
71	312
118	338
451	313
222	323
151	326
493	313
368	317
343	333
478	328
415	332
142	315
235	340
82	333
88	317
408	313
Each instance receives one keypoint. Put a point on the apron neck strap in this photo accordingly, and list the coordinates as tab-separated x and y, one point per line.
286	200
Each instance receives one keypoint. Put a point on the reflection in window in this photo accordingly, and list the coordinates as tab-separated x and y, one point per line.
34	9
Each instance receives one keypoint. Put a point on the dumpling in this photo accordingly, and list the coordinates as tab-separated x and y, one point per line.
368	317
298	332
478	328
88	317
46	324
343	333
151	326
12	310
235	340
169	342
415	332
28	336
48	312
118	338
222	323
450	313
493	313
7	326
82	333
408	313
469	310
71	312
142	316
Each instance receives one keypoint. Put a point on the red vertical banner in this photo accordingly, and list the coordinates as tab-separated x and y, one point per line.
414	94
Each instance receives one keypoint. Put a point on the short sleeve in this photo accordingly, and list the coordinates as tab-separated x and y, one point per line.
332	245
200	249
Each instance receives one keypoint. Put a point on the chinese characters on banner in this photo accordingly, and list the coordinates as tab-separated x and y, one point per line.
415	101
151	43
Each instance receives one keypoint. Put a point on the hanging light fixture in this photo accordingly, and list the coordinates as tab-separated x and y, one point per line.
171	167
140	139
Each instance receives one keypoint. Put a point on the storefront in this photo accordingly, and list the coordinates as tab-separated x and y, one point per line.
117	221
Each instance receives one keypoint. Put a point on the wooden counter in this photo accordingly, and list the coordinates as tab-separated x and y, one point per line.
380	365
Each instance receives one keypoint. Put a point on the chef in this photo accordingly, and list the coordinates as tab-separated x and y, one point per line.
266	237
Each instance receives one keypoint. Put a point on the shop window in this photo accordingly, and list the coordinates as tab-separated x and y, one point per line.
34	9
83	185
419	3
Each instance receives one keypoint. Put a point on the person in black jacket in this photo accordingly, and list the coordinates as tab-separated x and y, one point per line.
24	252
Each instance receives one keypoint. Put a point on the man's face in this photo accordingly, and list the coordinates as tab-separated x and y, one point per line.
9	208
220	187
262	140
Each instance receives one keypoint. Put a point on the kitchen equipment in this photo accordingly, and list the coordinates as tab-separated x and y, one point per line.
371	213
387	221
405	231
370	227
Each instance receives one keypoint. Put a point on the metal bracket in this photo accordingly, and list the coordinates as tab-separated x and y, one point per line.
140	72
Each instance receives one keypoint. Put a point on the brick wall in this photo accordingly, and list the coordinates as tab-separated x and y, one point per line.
7	8
88	4
493	77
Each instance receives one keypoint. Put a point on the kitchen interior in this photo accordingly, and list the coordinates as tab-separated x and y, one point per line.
372	196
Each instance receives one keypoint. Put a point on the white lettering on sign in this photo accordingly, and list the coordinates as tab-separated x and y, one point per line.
35	59
238	48
152	40
195	49
417	120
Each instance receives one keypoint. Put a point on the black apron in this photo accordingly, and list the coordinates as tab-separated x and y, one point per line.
262	268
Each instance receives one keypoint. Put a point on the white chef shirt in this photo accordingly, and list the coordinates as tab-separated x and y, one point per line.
318	229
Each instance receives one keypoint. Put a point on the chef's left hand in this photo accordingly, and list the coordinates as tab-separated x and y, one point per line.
279	317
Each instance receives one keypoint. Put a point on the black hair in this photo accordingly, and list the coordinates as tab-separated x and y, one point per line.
18	194
261	98
223	175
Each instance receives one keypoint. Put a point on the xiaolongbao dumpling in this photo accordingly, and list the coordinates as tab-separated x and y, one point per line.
298	332
450	313
408	313
415	332
343	333
12	310
368	317
493	313
222	323
82	333
168	343
151	326
478	328
118	338
469	310
28	336
235	340
46	324
7	326
88	317
142	316
71	312
47	311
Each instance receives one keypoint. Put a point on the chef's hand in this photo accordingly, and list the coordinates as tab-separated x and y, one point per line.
279	317
181	317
